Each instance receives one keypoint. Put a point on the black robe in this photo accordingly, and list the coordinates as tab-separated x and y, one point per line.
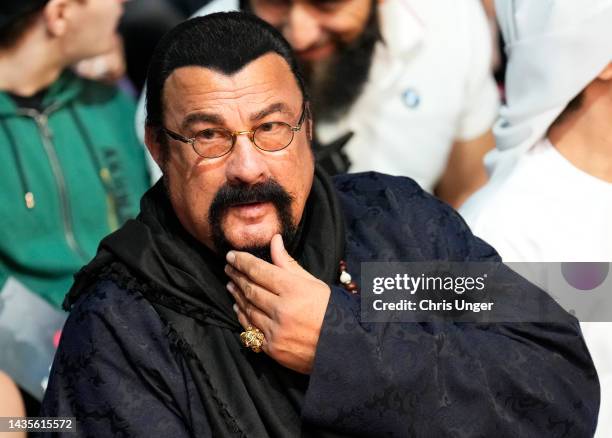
117	372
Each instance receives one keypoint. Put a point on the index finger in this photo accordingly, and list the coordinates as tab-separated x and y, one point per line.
259	271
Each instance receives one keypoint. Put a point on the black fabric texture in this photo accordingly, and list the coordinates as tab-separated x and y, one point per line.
185	282
121	371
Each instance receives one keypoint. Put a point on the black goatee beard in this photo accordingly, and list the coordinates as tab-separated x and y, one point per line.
334	84
268	191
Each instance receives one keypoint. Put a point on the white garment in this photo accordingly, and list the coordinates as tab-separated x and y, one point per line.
430	84
547	210
555	48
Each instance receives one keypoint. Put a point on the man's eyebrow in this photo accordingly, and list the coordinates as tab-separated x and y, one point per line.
278	107
201	117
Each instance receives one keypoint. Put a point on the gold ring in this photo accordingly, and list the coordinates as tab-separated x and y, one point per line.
253	338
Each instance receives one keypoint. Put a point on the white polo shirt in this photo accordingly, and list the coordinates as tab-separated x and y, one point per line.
430	84
547	210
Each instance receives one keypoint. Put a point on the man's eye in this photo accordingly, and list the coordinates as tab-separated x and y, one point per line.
268	127
209	134
272	129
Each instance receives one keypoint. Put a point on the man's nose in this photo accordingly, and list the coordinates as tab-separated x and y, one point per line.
246	164
302	28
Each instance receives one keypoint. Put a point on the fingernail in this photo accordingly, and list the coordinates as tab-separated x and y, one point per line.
235	307
230	286
228	269
230	257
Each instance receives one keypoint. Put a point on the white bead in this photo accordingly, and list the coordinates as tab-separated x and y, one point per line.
345	277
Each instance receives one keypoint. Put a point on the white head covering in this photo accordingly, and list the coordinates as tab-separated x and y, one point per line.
555	49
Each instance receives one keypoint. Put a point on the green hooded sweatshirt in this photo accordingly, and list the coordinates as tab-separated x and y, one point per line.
70	175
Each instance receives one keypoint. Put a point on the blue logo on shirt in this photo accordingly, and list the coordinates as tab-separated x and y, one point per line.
411	98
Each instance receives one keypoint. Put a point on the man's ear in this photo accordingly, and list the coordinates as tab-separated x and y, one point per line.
153	144
606	73
56	15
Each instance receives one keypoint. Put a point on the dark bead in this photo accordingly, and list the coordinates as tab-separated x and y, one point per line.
352	286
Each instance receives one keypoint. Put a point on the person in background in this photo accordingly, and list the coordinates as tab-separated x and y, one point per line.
398	86
550	194
140	28
72	169
382	71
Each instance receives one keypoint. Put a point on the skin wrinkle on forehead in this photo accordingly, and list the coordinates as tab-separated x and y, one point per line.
218	101
216	119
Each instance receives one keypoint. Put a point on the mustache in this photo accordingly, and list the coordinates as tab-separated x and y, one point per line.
237	194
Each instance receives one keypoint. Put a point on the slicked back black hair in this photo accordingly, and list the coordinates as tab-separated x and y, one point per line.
225	41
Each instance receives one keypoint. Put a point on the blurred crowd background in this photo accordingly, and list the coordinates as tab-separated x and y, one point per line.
500	109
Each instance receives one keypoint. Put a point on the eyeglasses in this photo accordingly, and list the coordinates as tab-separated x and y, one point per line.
216	142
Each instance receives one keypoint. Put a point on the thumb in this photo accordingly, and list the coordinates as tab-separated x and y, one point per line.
280	256
282	259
